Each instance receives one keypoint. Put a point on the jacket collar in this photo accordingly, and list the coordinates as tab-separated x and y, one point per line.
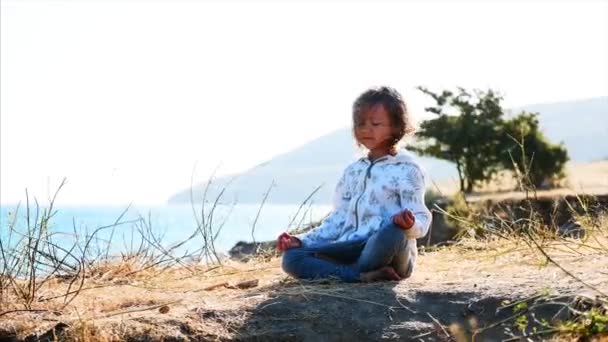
402	156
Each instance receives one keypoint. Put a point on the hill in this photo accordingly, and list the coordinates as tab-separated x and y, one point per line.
581	125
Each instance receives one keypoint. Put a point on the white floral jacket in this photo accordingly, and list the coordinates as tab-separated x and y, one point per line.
367	196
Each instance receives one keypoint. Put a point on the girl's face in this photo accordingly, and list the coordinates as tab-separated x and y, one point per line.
374	129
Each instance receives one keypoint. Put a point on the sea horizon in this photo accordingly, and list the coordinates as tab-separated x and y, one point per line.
175	222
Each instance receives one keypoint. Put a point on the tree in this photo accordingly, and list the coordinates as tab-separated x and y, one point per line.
527	152
470	130
467	137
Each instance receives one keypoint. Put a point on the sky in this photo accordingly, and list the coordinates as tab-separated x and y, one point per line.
132	100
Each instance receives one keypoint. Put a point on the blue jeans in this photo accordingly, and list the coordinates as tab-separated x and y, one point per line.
348	259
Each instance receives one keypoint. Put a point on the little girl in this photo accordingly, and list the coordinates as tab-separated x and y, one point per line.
379	209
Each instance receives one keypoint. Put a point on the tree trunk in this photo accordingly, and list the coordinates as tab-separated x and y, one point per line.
460	175
469	187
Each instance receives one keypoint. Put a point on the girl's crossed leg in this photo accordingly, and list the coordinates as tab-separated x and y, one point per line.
384	256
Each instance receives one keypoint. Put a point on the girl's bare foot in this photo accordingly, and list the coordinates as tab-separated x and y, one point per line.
384	273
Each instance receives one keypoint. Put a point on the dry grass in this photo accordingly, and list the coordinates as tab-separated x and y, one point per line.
158	295
102	302
110	308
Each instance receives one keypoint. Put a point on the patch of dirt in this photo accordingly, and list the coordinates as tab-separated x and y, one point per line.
454	291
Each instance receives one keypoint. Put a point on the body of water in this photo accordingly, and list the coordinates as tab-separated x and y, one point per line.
173	223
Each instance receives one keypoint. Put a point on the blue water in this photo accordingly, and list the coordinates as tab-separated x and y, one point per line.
174	222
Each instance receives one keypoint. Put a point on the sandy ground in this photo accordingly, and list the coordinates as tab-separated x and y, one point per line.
454	291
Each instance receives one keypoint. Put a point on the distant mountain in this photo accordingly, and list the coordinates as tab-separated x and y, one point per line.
296	174
581	125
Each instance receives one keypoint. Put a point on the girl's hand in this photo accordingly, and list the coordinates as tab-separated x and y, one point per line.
404	219
286	241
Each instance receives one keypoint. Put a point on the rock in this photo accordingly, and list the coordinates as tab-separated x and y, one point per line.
247	284
243	251
53	334
571	229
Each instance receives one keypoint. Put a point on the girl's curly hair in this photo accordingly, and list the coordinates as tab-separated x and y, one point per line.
393	104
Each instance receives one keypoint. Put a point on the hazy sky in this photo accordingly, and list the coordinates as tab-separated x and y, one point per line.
124	97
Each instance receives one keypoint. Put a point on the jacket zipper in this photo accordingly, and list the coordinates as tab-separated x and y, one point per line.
368	173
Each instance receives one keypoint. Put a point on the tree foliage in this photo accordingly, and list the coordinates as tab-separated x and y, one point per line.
470	130
528	153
